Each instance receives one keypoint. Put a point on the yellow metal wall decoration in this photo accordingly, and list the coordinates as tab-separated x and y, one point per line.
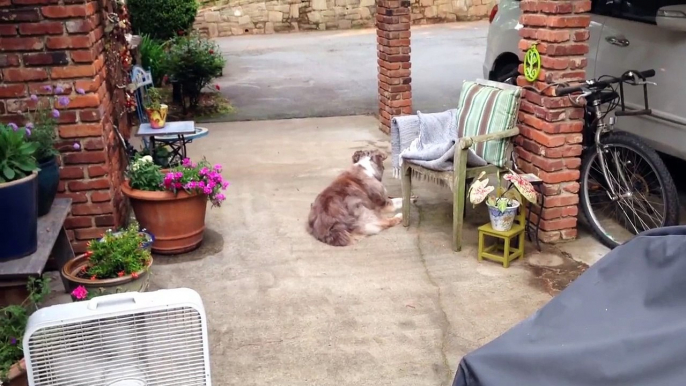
532	63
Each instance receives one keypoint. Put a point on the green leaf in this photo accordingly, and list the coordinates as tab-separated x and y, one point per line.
8	172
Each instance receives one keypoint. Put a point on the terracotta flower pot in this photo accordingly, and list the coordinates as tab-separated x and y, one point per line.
17	375
176	220
127	283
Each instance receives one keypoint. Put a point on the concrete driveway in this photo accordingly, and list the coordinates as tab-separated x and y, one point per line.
333	73
396	309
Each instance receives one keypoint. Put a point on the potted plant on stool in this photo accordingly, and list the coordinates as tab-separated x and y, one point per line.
118	262
155	109
42	128
502	207
18	171
172	203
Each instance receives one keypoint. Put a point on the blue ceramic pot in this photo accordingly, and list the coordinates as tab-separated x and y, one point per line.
48	181
502	221
19	212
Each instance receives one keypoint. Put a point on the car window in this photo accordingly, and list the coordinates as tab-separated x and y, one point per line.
644	10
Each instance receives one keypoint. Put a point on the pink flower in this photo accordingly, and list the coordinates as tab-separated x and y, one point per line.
169	176
178	175
186	162
225	184
178	185
207	190
220	197
80	292
204	171
200	185
218	168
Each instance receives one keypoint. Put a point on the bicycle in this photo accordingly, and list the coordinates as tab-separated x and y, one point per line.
628	193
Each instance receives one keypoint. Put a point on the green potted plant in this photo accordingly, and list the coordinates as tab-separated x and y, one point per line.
193	62
118	262
42	127
172	203
155	109
18	187
502	206
13	319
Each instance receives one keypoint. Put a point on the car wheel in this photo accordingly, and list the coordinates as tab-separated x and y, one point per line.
506	73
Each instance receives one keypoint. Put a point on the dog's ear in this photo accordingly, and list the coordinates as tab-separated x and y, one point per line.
378	158
357	156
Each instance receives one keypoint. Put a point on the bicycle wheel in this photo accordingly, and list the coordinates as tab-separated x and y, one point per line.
646	195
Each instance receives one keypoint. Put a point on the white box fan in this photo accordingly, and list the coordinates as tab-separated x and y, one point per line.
129	339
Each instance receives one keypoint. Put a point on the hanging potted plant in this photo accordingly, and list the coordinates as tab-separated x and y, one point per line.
42	128
502	206
18	186
13	321
155	109
172	203
118	262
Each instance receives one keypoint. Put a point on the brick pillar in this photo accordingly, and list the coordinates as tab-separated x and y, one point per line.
60	43
551	128
393	52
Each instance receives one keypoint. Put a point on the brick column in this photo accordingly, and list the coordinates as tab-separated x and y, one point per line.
393	52
60	43
551	128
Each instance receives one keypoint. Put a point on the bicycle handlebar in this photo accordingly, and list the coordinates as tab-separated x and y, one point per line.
601	84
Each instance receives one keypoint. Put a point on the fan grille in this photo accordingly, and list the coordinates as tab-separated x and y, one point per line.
163	347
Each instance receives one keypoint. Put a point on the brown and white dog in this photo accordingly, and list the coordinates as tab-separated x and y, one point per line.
353	206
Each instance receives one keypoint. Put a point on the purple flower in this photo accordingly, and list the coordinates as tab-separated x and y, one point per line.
80	91
29	126
13	341
47	88
55	113
34	97
13	126
59	90
77	146
63	101
28	131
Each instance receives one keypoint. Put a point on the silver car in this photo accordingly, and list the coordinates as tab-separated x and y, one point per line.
625	35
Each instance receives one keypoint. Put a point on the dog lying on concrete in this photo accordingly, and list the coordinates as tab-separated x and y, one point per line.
354	205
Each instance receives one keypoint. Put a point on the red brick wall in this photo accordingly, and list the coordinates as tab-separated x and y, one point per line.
551	127
393	51
61	43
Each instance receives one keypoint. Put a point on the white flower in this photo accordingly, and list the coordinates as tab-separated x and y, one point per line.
135	166
147	158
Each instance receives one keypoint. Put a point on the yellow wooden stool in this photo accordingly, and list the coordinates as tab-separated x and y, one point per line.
501	249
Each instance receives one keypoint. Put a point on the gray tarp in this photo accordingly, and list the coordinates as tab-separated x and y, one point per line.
622	322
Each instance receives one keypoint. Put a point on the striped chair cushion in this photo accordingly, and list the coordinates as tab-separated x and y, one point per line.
486	108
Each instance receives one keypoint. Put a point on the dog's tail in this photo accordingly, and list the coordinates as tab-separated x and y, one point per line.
336	235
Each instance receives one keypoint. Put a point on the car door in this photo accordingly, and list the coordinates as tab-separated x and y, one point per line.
631	40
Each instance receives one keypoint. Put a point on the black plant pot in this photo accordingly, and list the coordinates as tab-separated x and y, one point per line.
177	93
48	181
19	225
